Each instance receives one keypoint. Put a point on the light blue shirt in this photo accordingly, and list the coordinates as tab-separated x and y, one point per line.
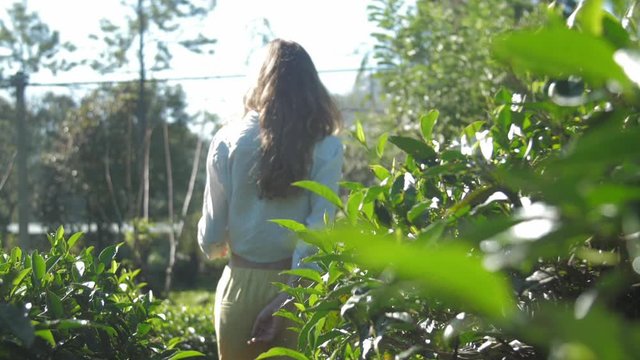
232	211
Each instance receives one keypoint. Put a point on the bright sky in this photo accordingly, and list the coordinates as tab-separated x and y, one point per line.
336	34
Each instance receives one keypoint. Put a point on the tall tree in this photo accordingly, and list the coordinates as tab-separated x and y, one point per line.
28	45
147	24
436	55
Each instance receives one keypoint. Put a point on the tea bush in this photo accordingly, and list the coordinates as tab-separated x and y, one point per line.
517	239
189	317
68	304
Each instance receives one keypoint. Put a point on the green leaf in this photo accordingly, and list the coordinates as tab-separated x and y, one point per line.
55	305
560	52
16	254
380	171
350	185
427	122
608	145
321	190
47	336
185	354
17	323
173	342
282	351
471	130
417	210
21	275
614	32
382	142
108	254
360	133
613	194
59	234
590	16
310	274
354	204
39	266
290	224
470	285
73	239
416	148
600	333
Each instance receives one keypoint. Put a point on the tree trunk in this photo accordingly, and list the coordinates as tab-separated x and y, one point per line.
172	238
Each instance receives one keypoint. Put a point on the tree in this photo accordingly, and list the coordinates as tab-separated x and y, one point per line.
436	55
148	18
30	45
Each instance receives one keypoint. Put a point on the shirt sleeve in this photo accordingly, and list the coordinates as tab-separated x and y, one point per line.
327	172
212	227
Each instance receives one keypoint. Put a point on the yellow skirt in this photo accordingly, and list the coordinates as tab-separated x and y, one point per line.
240	296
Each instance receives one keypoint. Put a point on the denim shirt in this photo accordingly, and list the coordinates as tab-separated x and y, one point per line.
234	214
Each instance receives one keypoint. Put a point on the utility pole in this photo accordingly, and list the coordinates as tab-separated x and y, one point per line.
20	80
142	117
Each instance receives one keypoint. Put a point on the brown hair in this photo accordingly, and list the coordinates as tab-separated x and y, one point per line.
296	111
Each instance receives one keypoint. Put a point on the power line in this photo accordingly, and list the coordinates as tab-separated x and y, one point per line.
183	78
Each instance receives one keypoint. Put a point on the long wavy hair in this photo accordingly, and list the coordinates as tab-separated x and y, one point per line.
296	111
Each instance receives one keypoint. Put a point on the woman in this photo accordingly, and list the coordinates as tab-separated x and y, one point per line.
286	135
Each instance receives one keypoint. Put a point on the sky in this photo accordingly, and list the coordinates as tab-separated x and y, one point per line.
336	34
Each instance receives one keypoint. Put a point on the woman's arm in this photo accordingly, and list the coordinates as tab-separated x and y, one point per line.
212	227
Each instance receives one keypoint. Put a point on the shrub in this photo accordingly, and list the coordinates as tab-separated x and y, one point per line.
189	317
517	239
66	304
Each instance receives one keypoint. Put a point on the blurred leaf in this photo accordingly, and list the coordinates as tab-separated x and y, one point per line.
290	224
281	351
470	285
380	171
607	145
360	133
416	148
471	130
382	142
354	202
321	190
17	323
614	32
47	336
427	122
184	354
613	194
417	210
310	274
54	305
590	16
599	331
560	52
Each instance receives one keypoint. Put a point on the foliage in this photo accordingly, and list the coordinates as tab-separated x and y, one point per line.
436	54
189	316
29	44
517	238
150	19
65	304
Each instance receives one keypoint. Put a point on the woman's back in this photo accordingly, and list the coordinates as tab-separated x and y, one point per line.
249	231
